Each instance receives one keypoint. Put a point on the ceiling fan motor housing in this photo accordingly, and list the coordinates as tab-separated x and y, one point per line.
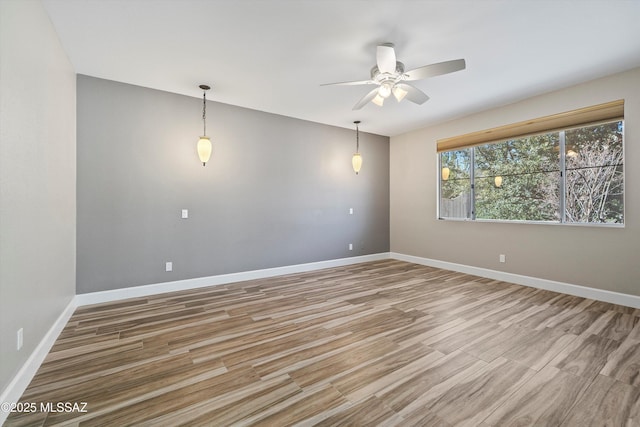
381	77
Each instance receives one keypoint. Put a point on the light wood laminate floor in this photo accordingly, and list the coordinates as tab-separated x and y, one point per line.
379	343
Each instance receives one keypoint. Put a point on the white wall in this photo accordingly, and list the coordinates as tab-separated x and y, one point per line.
598	257
37	180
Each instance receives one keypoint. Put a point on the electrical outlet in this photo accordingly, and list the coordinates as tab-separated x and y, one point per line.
19	339
350	246
168	266
350	211
503	258
185	213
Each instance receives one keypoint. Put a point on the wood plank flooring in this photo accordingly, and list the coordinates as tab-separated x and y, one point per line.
379	343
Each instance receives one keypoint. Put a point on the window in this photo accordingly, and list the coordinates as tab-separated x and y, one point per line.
455	187
571	175
527	174
594	187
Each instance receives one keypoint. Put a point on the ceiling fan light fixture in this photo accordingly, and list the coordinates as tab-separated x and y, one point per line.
384	90
399	93
378	100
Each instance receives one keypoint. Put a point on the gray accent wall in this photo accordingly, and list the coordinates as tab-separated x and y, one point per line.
276	192
605	258
37	181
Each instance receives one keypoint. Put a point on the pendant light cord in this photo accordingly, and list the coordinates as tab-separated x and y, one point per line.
357	139
204	112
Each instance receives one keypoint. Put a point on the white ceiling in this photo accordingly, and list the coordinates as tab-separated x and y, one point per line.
272	55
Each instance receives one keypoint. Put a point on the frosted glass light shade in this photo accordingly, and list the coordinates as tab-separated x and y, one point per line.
378	100
399	93
204	149
445	173
356	162
498	181
384	90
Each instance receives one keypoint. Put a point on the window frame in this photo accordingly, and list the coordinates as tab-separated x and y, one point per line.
471	211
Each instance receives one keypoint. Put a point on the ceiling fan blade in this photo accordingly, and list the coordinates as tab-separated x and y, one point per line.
359	82
414	94
368	97
435	69
386	58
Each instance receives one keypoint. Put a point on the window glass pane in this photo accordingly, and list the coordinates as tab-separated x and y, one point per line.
518	179
594	182
455	184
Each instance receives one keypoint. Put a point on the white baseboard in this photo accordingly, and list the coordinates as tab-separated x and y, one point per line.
19	383
534	282
200	282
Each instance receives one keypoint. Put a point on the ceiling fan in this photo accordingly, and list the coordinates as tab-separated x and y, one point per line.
390	78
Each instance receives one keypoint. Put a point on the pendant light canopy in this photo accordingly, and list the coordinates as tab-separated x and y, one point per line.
204	143
356	160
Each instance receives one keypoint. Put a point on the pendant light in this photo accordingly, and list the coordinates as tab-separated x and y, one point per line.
445	173
204	143
356	160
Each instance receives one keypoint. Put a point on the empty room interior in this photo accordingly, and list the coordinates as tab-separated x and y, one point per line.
279	212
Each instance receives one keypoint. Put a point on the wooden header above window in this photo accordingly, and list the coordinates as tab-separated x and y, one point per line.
597	113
